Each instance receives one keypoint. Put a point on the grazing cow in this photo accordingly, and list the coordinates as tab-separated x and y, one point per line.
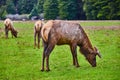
9	26
57	32
37	31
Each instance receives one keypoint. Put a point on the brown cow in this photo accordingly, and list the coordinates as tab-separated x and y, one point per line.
9	27
37	31
62	32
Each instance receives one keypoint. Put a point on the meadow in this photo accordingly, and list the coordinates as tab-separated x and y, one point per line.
20	61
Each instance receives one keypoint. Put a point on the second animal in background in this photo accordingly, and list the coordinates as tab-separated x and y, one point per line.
9	27
37	33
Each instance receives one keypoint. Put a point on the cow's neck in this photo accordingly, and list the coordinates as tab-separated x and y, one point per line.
86	47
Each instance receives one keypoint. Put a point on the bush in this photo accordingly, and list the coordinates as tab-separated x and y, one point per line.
3	12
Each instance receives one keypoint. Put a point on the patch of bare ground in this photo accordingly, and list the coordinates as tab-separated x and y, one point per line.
102	27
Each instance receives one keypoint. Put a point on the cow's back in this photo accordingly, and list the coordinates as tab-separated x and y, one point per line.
8	22
67	32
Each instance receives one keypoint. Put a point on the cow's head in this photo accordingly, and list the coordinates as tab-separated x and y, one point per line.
92	56
14	33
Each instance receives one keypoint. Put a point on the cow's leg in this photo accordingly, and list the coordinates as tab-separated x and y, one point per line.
71	48
74	53
42	41
12	34
34	39
38	40
47	54
43	58
6	33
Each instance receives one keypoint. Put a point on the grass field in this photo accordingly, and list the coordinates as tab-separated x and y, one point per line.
20	61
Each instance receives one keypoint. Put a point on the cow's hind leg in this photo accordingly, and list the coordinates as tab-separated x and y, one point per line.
43	58
38	40
47	54
34	39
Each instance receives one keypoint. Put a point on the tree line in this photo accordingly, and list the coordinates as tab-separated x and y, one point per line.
63	9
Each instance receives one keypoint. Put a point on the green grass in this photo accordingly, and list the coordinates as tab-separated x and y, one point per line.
100	23
20	61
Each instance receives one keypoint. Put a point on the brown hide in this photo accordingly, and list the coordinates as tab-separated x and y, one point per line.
46	29
58	32
8	24
9	27
37	32
38	26
64	31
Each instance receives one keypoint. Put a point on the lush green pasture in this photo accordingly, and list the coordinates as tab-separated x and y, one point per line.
100	23
20	61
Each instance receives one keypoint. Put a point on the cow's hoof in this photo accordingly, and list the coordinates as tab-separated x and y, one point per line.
47	70
42	70
77	66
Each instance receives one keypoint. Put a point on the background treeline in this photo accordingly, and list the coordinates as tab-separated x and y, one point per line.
63	9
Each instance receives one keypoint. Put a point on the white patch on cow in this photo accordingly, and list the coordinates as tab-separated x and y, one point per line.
71	31
46	29
8	22
38	25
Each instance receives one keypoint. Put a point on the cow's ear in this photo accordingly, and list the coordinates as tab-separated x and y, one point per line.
91	51
97	52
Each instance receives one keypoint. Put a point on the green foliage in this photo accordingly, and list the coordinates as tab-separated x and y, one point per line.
80	12
102	9
63	12
2	9
25	6
65	9
71	9
50	9
88	7
11	7
40	6
34	12
114	9
20	61
3	12
37	9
